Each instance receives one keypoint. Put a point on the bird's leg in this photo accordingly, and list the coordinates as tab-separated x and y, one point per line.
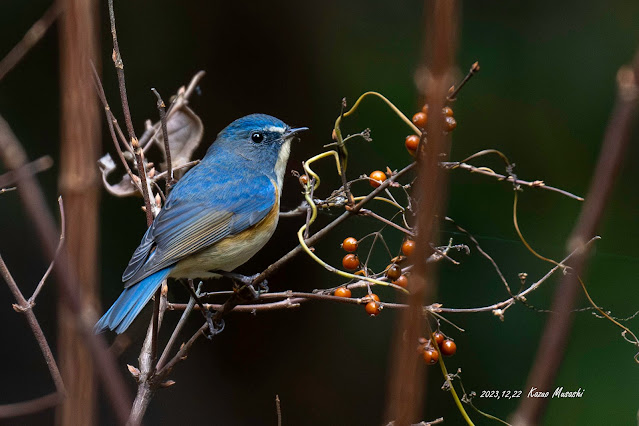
208	315
247	283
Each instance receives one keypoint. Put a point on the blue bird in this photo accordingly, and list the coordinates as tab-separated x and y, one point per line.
222	212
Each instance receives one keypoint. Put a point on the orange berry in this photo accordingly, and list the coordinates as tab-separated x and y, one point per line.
408	247
447	111
373	308
439	337
431	356
361	272
412	143
420	119
350	244
402	281
450	124
342	292
378	177
350	261
303	180
448	348
393	272
374	297
425	109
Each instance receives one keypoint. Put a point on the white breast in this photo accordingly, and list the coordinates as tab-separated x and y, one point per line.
280	165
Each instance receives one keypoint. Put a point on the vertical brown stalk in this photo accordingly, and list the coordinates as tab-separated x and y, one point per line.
80	136
554	340
407	380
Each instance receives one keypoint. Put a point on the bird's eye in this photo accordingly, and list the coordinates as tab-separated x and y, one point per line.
257	137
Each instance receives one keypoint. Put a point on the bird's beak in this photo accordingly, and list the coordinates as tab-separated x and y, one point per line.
291	133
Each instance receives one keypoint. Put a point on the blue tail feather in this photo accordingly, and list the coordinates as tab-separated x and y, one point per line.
130	303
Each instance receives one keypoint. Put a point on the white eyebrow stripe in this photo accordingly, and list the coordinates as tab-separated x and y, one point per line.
276	129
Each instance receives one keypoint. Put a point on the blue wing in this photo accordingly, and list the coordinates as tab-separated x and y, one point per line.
207	204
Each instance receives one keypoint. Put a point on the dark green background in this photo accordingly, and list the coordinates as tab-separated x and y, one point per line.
543	97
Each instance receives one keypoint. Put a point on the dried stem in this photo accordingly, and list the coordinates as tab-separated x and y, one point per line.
55	256
34	167
30	39
25	306
13	156
165	136
487	172
557	331
112	122
32	406
139	156
406	382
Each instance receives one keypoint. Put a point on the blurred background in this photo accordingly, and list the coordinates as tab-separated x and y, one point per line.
543	97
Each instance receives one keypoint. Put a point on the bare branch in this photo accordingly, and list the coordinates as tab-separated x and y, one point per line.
557	331
57	252
24	306
13	156
487	172
165	137
30	39
29	407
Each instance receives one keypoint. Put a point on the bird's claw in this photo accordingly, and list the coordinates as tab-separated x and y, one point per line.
245	283
215	327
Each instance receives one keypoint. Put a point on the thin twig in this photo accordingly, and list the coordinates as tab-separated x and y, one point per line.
374	215
30	39
176	331
25	307
165	136
278	409
474	69
55	256
487	172
139	156
34	167
32	406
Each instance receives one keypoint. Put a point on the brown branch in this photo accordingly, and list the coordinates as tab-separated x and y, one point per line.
374	215
406	381
165	135
30	39
80	146
139	157
487	172
34	167
112	122
293	299
555	337
32	406
55	256
24	306
13	156
176	331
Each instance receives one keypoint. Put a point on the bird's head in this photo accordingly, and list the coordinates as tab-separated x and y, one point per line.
263	140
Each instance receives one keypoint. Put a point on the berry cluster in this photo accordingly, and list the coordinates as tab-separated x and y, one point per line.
420	120
393	272
447	347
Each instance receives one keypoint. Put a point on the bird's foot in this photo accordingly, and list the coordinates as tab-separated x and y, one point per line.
245	284
215	327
